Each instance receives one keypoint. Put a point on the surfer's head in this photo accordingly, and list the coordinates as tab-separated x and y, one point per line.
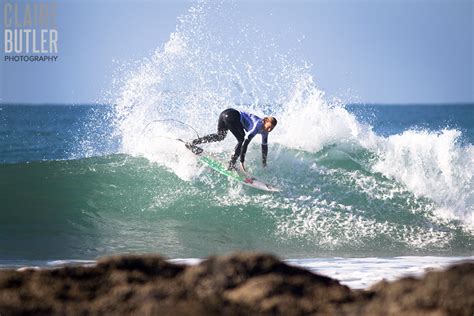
269	123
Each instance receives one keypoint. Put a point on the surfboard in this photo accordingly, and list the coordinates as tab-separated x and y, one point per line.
239	176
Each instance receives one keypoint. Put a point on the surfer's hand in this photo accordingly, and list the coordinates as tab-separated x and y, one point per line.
264	164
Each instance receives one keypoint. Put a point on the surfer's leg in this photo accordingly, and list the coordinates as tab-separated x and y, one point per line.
216	137
237	130
237	150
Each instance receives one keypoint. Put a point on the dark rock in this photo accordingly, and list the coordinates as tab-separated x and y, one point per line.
238	284
449	292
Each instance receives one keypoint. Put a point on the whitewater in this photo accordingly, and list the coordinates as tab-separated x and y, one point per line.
199	72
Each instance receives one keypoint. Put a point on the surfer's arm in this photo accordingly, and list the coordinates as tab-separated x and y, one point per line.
264	154
264	149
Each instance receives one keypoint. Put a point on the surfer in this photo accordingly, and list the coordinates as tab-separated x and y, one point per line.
244	126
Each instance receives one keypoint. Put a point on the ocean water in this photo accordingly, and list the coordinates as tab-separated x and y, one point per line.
337	214
385	187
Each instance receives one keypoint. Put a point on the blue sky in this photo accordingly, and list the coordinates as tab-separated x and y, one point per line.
360	51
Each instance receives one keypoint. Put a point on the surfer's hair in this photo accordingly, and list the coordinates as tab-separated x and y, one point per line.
272	120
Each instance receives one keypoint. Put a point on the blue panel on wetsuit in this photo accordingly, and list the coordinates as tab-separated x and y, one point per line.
253	125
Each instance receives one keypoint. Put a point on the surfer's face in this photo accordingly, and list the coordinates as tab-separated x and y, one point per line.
268	125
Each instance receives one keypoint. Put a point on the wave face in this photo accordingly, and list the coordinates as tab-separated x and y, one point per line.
353	184
330	205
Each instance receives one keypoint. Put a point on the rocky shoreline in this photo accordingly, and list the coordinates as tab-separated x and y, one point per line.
237	284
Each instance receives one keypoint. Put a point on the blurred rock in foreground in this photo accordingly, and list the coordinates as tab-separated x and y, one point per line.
238	284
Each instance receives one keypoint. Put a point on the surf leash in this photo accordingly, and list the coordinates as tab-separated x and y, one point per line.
194	149
171	120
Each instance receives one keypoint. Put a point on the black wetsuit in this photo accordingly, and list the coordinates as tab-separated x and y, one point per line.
244	127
